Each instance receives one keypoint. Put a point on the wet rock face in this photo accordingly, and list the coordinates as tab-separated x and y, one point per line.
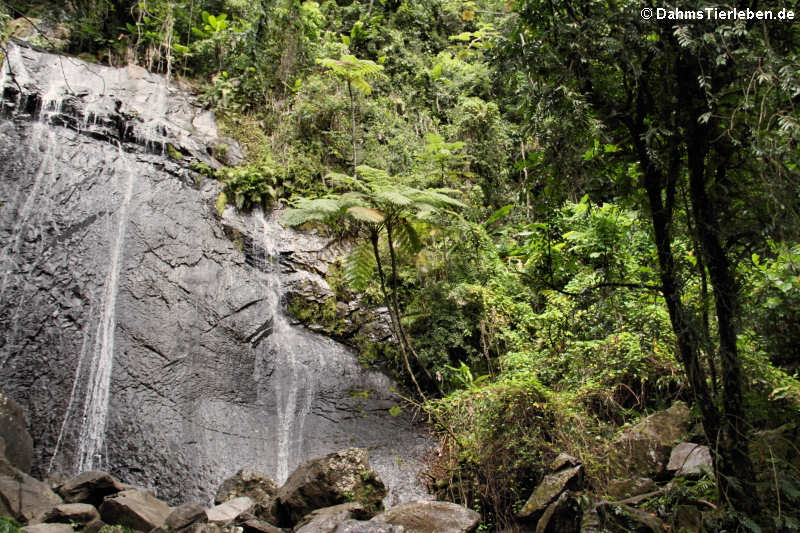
140	337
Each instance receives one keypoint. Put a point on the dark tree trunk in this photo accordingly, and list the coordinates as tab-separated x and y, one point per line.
734	468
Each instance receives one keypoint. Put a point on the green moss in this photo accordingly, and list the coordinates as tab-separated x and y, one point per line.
174	153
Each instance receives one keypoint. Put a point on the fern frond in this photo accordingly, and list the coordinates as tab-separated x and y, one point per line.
407	238
307	210
359	266
366	214
393	197
373	175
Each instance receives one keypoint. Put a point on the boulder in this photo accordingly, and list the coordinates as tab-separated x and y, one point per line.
430	517
563	515
225	512
94	526
330	480
327	519
72	513
258	526
619	489
184	515
90	487
690	459
255	485
135	509
548	490
21	496
48	528
618	518
15	440
643	449
356	526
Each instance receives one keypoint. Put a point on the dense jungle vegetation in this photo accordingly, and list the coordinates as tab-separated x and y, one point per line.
574	216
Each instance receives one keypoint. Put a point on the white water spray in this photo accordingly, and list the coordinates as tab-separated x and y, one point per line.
95	408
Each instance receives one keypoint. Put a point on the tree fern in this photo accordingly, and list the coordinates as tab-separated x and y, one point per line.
359	266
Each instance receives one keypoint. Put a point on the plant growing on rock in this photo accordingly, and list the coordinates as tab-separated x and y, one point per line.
384	207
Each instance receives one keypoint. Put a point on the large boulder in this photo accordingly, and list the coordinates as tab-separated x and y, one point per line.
562	516
90	487
549	489
356	526
336	478
135	509
327	519
255	485
21	496
184	515
72	513
619	489
48	528
690	459
644	448
254	525
430	517
15	441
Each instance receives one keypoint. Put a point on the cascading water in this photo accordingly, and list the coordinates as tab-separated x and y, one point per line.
298	361
95	409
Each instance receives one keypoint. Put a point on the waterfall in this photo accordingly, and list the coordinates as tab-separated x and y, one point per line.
95	407
296	361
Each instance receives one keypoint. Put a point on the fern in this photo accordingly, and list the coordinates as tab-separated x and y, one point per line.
359	266
352	70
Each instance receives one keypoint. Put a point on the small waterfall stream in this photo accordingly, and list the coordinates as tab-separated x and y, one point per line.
298	360
95	408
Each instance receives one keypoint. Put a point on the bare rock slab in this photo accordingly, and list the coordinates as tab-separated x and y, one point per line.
184	515
67	513
689	459
548	490
430	517
644	448
135	509
21	496
90	487
225	512
327	519
48	528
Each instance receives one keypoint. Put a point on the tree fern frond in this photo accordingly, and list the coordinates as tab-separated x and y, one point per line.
366	214
436	198
408	239
372	175
359	266
392	196
306	210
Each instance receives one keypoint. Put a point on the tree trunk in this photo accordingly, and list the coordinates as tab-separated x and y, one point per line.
733	465
395	319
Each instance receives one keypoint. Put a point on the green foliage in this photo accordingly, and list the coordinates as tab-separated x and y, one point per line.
352	70
9	525
250	185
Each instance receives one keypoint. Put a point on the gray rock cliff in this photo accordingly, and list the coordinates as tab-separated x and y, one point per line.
139	336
